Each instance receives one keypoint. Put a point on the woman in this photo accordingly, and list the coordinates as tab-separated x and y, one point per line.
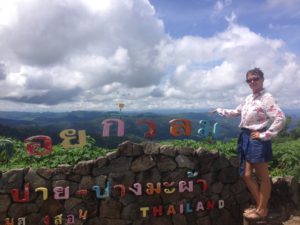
261	120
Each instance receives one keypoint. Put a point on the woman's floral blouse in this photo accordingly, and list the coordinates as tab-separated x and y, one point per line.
258	111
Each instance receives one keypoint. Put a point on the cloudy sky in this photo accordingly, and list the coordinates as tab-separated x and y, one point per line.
62	55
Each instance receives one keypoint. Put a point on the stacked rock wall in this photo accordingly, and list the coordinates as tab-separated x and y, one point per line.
139	184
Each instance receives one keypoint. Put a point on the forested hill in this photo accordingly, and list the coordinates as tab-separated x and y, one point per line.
21	125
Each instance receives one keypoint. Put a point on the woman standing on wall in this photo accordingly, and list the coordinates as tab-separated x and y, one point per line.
261	119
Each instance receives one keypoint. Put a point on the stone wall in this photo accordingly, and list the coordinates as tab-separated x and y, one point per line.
139	184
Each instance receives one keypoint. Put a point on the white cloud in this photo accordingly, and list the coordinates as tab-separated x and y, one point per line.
89	54
228	56
73	46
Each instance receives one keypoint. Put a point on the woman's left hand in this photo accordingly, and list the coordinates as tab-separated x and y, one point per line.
255	135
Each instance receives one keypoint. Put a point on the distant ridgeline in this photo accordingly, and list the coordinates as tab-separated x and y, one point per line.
72	138
21	125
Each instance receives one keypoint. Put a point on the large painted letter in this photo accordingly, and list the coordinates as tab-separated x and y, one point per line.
204	129
61	192
216	130
204	184
15	193
70	219
70	135
151	133
46	220
106	193
108	122
151	189
168	189
122	189
9	221
179	127
137	188
58	219
82	214
183	186
21	221
34	145
44	191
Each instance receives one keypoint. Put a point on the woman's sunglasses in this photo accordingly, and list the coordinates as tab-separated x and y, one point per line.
253	79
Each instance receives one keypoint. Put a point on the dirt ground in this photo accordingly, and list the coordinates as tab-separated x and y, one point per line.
294	219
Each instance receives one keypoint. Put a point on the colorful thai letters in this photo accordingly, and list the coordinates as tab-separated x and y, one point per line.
16	193
180	127
70	219
151	133
82	214
186	186
62	193
46	220
44	191
9	221
168	189
186	207
38	145
206	129
70	135
21	221
136	189
106	192
57	220
150	189
108	122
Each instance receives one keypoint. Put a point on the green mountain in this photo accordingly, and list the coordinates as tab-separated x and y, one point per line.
21	125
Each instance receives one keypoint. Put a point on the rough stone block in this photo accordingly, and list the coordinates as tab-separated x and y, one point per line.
110	208
83	167
35	180
143	163
165	163
5	202
117	165
167	150
12	179
184	162
151	148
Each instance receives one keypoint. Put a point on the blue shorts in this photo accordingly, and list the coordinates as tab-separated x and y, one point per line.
252	150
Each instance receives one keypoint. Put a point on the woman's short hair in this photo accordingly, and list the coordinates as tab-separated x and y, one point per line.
255	71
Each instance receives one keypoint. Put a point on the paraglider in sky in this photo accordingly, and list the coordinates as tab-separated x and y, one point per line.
121	106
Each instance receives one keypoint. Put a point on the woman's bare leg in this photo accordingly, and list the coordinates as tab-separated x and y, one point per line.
262	172
251	183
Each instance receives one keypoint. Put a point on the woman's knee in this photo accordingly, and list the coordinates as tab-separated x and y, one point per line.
262	172
247	177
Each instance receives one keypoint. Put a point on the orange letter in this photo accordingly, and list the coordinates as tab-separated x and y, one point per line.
177	125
